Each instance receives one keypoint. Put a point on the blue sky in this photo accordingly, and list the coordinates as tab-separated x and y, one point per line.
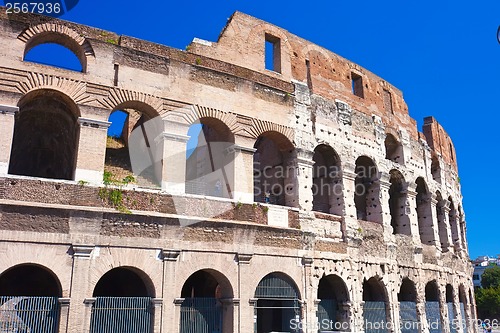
442	54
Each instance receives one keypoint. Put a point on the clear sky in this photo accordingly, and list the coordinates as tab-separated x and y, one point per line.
442	54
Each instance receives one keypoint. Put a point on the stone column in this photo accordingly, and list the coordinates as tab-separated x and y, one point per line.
91	150
157	304
7	115
243	190
350	226
411	197
385	185
445	205
246	316
445	319
309	312
420	304
173	173
305	179
171	304
81	305
64	315
435	224
457	320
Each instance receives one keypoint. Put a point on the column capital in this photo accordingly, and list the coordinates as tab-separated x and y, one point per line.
81	251
169	255
172	137
237	148
94	123
64	301
244	258
8	109
307	261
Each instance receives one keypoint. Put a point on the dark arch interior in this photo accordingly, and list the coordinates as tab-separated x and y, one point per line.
45	139
56	55
327	187
366	194
407	292
449	293
373	291
29	280
332	287
431	292
207	156
273	179
462	298
201	284
424	212
393	149
397	204
435	169
121	282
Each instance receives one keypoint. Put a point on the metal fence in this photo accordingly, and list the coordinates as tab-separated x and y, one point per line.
433	314
327	314
451	318
375	317
121	314
201	315
29	314
408	317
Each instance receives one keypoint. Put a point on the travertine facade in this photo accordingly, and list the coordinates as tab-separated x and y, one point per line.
388	228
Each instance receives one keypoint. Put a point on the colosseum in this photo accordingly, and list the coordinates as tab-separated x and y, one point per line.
309	201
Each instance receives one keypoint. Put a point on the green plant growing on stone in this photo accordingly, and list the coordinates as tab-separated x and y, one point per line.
114	196
265	209
83	182
238	205
198	61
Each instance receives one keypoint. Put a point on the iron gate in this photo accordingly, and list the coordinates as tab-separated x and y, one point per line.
433	314
121	314
452	316
375	317
29	314
408	317
201	315
327	315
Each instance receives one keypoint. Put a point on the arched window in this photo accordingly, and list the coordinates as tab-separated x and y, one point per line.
367	190
433	307
332	296
209	165
398	204
202	308
274	170
436	169
454	221
45	136
123	302
375	306
56	55
424	213
29	294
407	298
327	181
277	304
393	149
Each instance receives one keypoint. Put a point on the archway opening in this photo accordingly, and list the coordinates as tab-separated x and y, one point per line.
333	311
453	220
375	306
407	298
367	190
452	313
209	164
56	55
393	149
327	181
29	298
398	204
206	304
274	170
436	169
277	305
442	225
45	136
424	213
433	307
123	302
135	128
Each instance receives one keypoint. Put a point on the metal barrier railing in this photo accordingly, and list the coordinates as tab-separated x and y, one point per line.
201	315
22	314
121	314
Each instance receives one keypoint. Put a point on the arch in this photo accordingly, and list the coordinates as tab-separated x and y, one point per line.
435	168
433	307
203	308
376	307
453	221
274	170
209	165
30	280
332	296
29	296
393	149
277	303
452	313
55	55
327	181
58	34
367	190
442	224
51	119
124	281
407	298
398	204
424	213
